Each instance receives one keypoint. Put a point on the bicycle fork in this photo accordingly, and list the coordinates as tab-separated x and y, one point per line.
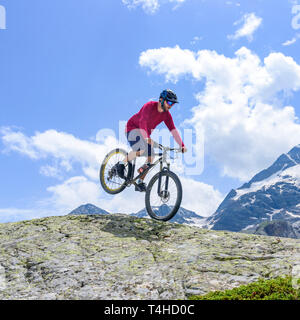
163	193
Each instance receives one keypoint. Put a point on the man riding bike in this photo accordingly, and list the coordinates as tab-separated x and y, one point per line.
139	128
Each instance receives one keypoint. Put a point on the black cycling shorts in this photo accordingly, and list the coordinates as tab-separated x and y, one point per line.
138	143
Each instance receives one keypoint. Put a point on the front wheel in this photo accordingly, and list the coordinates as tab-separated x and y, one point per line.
163	196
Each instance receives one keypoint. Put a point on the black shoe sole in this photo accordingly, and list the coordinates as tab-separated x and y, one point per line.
140	190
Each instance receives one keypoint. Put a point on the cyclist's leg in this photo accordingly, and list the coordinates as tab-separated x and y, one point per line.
132	138
133	154
137	143
150	158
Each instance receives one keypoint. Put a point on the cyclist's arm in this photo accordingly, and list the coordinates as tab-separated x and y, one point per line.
171	126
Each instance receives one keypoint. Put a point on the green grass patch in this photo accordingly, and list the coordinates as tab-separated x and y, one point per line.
280	288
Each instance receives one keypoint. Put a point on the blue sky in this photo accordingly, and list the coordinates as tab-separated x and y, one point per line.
71	68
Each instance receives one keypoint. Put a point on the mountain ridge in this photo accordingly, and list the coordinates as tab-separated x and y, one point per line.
284	161
88	209
183	216
272	194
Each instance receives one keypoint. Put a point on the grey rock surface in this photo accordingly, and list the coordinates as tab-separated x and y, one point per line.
279	228
124	257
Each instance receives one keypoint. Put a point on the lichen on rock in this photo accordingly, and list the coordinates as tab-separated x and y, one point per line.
124	257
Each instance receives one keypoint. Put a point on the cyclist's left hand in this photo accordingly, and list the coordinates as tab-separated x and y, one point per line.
183	149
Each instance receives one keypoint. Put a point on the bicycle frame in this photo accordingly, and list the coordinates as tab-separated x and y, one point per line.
162	159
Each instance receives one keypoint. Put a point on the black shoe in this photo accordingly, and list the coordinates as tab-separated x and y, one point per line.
120	170
141	187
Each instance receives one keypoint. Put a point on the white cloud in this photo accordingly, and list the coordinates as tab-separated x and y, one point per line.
173	62
17	141
51	171
63	152
289	42
79	190
250	23
292	41
177	3
245	126
64	149
206	201
74	192
150	6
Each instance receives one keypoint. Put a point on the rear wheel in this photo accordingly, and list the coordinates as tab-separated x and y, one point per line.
109	178
163	196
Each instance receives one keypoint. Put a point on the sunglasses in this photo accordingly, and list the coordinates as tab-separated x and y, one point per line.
170	103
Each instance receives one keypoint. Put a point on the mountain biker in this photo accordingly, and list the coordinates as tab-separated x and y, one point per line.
139	128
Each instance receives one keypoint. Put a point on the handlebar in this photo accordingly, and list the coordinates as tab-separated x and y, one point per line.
161	147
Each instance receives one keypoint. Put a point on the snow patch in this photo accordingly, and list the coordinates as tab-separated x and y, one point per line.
249	227
290	176
291	159
292	214
195	222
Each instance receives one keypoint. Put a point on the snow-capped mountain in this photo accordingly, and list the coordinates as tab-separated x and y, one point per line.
183	216
272	194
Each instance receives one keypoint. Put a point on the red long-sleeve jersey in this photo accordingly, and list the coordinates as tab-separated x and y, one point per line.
148	118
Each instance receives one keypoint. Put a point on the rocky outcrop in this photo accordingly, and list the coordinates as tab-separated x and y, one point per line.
123	257
278	228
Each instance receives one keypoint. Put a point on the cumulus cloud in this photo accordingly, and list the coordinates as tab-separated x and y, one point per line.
62	153
207	200
245	126
150	6
62	148
250	23
74	192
